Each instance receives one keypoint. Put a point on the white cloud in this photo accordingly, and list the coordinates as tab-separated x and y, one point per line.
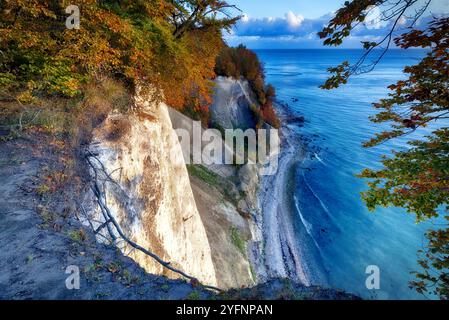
303	31
294	21
374	19
402	21
245	18
290	24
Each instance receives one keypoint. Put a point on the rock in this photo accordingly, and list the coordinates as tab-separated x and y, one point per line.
153	199
231	107
295	119
248	177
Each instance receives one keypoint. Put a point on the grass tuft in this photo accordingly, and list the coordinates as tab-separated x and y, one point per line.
203	173
237	240
78	236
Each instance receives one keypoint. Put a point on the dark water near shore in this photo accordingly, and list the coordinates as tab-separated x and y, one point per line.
347	237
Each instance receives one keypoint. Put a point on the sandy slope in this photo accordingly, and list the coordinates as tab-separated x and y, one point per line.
36	249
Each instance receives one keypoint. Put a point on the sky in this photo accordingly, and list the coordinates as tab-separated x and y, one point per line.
292	24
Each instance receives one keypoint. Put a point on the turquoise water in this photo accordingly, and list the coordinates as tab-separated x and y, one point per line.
327	193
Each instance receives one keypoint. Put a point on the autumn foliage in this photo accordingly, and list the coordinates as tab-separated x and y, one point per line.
137	42
240	62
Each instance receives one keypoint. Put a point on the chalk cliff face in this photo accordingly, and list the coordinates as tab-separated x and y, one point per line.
151	197
221	205
231	107
203	229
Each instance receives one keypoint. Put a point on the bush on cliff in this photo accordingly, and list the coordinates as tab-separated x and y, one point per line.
240	62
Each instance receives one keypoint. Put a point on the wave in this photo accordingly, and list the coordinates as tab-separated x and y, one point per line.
319	159
308	226
315	195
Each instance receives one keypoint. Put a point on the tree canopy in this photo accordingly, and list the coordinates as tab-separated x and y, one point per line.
159	42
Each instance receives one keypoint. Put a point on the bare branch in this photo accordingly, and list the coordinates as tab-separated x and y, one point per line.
110	220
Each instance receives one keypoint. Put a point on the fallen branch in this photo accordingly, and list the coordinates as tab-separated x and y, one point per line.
102	226
89	220
109	219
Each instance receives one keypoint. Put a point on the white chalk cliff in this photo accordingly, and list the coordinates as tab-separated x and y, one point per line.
232	101
152	198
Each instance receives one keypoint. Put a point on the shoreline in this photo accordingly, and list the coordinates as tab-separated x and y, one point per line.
285	248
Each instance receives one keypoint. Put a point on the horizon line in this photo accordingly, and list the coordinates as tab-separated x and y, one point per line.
286	49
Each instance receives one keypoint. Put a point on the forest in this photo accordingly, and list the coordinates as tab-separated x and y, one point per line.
119	47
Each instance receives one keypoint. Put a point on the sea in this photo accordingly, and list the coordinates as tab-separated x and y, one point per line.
351	243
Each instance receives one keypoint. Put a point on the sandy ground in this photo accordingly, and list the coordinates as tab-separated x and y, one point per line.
36	246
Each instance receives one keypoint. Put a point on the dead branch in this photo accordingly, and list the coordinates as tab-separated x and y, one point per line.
109	219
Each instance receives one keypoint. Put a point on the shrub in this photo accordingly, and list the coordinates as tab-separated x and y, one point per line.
193	295
270	92
237	240
203	173
78	236
118	129
241	62
269	115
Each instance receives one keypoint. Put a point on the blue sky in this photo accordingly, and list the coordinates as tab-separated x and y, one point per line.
294	23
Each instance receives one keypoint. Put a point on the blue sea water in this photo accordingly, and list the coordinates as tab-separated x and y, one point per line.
327	192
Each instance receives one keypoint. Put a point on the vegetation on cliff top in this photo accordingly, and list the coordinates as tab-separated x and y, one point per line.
241	62
157	42
172	45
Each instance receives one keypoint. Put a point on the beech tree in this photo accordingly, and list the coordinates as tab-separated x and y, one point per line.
159	42
416	179
200	14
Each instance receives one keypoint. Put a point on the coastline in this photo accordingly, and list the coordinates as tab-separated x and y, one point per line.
286	243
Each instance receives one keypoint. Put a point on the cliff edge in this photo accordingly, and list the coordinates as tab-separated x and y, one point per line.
196	219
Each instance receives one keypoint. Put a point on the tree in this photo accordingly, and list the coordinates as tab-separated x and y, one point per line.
201	14
418	178
158	42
